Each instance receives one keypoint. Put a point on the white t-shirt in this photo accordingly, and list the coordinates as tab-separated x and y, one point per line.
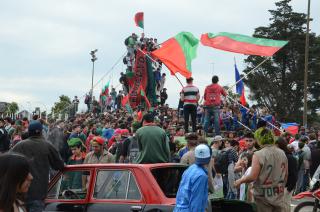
295	144
243	185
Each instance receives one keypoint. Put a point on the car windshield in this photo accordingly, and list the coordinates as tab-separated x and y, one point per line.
168	179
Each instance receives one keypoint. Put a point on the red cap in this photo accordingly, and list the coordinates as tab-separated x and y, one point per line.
98	140
117	131
124	131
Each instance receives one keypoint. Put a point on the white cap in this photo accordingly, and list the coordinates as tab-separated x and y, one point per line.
218	138
202	154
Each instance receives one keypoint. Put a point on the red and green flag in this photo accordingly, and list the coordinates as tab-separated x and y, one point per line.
125	103
125	100
242	44
105	89
143	94
138	19
178	52
139	115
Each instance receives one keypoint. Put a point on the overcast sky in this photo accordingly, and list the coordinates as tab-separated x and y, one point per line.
45	45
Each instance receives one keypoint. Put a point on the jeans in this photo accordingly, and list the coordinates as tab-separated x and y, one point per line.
231	195
232	191
213	111
199	118
225	185
188	110
301	182
35	206
306	180
227	125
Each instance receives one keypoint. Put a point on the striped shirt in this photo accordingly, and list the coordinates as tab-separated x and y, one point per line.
190	93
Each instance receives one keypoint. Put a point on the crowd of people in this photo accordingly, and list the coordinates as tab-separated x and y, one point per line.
255	164
113	98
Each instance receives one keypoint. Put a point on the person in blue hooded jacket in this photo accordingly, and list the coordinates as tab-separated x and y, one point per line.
192	194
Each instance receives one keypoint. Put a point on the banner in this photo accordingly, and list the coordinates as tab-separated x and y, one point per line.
140	78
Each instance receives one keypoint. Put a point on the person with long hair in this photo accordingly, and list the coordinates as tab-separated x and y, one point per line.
15	180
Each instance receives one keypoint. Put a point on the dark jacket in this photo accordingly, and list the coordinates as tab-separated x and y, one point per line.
4	140
57	138
42	156
292	172
315	160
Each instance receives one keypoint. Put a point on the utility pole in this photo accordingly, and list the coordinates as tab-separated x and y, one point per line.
93	59
306	62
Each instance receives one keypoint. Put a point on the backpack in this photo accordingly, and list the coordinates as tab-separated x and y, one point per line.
221	162
133	149
126	41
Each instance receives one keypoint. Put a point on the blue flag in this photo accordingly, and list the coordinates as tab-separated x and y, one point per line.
239	86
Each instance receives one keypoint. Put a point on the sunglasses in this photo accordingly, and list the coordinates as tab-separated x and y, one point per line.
249	140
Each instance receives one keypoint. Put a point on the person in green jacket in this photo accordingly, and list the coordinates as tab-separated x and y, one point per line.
153	142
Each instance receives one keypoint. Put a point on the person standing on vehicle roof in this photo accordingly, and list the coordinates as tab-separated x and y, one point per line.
192	194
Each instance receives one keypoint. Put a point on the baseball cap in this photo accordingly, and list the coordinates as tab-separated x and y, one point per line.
218	138
98	139
124	132
202	154
35	126
74	142
117	132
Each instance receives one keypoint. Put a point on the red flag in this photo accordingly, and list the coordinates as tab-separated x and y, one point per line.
139	115
125	100
243	98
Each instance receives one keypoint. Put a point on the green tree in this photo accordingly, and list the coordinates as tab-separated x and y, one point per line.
62	106
12	108
230	93
278	83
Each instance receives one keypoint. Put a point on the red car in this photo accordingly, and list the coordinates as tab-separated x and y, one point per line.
115	187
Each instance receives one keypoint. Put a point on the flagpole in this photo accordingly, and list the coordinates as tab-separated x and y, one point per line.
245	75
248	128
158	63
234	60
178	80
